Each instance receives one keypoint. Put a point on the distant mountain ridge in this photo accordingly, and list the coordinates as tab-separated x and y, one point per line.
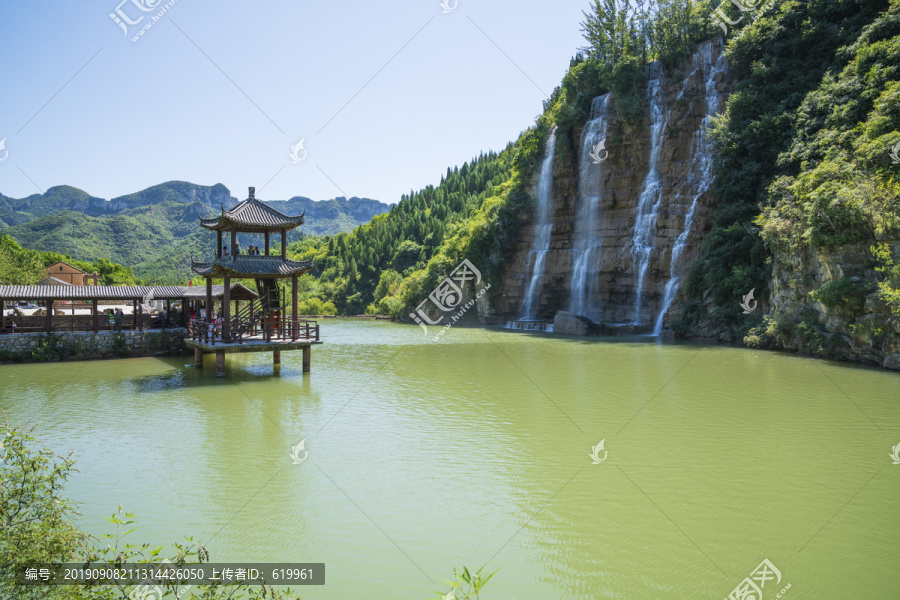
62	198
156	230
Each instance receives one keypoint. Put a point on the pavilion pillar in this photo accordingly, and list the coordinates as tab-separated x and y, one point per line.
219	243
267	243
140	316
198	357
94	309
209	298
184	311
307	358
295	326
226	311
49	305
220	363
234	244
283	245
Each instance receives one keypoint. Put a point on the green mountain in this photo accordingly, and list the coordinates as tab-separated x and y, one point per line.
155	230
805	205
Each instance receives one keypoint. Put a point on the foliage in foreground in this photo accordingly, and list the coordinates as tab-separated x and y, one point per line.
36	526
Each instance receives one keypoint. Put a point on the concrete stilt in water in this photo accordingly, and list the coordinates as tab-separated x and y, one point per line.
198	358
220	363
307	358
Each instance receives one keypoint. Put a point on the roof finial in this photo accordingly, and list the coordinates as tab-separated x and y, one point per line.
223	207
252	193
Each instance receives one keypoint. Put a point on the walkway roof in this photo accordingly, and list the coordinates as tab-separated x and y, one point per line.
115	292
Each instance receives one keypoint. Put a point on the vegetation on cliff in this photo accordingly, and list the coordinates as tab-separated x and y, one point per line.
782	147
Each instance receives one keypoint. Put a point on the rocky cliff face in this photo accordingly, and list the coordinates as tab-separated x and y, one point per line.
850	323
618	182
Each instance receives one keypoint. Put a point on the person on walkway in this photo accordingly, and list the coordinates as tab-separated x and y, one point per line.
120	319
224	249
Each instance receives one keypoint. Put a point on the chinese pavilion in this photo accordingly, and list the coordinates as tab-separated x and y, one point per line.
260	325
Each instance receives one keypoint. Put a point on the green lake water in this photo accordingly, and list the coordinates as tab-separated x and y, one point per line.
476	449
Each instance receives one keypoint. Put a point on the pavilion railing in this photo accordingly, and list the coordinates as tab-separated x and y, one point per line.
201	330
271	326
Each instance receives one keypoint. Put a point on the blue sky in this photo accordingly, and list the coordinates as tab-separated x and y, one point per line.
386	95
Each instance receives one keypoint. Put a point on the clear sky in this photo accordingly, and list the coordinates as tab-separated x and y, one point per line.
385	94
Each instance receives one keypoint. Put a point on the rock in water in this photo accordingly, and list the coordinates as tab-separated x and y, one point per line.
567	323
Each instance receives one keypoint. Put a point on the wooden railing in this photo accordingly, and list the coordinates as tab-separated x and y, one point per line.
269	327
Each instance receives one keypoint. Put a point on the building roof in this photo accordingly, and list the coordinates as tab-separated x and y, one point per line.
251	266
252	216
52	281
116	292
62	262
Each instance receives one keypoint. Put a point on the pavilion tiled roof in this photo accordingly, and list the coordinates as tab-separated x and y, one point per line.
252	216
251	266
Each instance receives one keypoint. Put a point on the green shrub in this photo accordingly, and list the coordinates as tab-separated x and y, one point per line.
845	296
120	346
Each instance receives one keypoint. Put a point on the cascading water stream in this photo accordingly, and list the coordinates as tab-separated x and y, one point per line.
543	229
651	191
586	242
700	175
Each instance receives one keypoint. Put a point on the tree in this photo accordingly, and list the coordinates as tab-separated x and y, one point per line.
18	266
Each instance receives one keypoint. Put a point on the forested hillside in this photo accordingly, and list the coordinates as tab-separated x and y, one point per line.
21	266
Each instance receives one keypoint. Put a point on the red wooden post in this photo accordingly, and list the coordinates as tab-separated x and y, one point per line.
49	305
234	245
226	310
94	308
209	303
219	243
267	243
295	326
283	245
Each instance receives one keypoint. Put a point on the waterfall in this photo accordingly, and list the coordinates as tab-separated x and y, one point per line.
700	175
543	228
651	192
586	240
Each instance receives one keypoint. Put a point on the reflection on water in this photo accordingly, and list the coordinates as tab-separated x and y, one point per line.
424	456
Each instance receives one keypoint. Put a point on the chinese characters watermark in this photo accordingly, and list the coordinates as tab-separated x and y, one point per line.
595	152
720	18
295	452
895	154
751	588
448	297
123	19
748	304
298	153
595	452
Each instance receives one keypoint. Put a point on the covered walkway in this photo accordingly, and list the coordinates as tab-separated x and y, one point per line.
98	299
